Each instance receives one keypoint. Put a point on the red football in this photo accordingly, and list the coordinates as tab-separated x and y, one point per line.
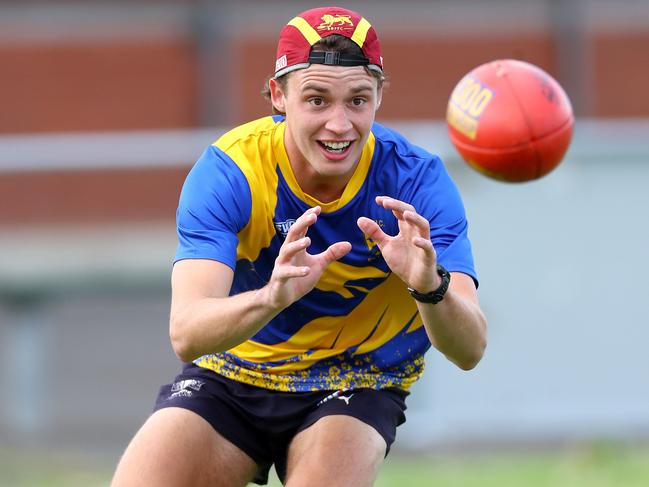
510	120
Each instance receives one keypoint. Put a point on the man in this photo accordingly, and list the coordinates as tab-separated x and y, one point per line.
320	256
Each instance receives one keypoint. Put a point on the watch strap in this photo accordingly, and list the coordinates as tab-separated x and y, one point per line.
437	295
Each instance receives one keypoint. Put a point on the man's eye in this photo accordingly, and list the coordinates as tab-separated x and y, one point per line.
358	101
316	101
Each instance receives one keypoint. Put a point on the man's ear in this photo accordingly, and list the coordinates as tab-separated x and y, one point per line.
277	96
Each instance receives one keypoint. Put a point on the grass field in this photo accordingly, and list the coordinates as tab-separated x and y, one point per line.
596	465
588	466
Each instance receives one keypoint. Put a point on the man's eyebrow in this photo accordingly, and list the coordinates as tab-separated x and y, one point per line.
323	89
315	87
359	88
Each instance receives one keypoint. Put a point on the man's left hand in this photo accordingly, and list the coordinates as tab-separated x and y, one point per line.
410	253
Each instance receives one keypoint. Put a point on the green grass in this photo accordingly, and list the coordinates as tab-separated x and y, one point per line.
595	465
591	466
39	468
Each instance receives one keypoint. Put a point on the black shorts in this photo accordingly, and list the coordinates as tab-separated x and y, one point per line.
262	422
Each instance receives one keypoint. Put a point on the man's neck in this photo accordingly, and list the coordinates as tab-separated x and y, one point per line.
326	193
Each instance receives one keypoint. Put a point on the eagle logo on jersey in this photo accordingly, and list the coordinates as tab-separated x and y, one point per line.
372	246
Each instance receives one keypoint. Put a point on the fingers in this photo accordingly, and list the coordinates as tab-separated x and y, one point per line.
405	212
372	230
289	272
284	268
397	206
299	228
290	249
422	224
424	244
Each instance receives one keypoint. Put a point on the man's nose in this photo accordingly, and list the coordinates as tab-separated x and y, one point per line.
339	122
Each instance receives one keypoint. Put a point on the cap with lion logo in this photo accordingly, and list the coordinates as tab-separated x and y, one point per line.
303	31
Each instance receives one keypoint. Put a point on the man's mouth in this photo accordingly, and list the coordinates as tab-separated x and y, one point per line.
335	147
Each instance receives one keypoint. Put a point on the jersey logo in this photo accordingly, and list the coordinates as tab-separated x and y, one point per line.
284	227
372	246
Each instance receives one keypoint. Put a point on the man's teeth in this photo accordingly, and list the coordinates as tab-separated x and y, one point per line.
336	146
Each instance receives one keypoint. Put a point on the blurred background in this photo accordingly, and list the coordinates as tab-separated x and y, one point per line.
104	107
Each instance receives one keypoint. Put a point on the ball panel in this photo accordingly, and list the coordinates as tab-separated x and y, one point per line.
544	103
553	147
523	162
502	164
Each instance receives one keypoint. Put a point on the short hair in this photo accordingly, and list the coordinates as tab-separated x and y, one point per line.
334	43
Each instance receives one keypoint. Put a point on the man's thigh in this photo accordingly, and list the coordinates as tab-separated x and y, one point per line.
177	447
336	450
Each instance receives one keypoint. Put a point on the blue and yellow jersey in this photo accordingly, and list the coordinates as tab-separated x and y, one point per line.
359	327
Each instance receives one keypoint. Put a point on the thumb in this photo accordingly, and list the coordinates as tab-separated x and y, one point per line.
336	251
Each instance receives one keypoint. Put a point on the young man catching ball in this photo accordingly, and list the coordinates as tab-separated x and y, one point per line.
320	255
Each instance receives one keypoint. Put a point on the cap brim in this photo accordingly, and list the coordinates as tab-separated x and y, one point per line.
295	67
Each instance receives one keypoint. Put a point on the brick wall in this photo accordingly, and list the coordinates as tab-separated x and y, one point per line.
97	86
153	84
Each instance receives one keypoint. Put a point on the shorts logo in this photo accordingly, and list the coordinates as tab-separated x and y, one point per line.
330	21
345	398
336	395
184	388
284	227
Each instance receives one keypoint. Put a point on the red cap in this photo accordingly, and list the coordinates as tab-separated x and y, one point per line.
303	31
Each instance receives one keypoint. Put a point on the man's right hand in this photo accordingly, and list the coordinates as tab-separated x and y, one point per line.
296	272
205	319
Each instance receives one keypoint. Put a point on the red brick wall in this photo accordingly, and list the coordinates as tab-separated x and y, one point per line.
621	75
423	72
152	84
98	86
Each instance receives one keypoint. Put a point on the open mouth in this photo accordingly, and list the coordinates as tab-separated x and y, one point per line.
334	147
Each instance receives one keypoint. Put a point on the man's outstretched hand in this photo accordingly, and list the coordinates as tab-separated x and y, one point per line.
296	272
410	253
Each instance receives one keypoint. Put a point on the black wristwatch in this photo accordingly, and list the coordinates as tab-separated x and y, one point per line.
437	295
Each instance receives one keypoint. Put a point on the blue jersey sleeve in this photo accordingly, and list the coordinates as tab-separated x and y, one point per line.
420	178
215	205
437	198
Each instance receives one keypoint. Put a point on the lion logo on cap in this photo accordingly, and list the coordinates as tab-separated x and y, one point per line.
329	21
